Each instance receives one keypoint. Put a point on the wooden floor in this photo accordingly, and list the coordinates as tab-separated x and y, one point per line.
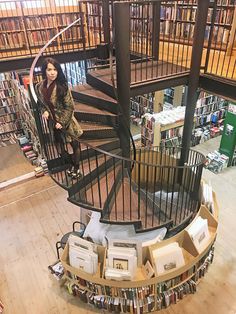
18	165
35	214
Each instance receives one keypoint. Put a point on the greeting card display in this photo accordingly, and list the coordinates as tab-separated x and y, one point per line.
168	258
82	255
121	262
199	233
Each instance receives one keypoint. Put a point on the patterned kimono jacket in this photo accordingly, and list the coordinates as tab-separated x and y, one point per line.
63	112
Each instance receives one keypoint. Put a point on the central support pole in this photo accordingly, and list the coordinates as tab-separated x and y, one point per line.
192	95
122	52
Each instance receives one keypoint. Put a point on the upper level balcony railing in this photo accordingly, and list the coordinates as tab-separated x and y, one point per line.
161	33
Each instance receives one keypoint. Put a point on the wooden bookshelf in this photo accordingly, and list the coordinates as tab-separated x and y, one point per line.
26	29
210	113
10	121
154	133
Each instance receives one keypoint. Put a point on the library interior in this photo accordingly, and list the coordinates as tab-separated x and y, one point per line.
118	156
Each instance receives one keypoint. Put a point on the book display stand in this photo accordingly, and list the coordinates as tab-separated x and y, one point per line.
169	270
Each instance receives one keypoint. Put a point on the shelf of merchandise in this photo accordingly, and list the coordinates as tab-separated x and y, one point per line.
27	29
155	292
210	113
10	121
152	133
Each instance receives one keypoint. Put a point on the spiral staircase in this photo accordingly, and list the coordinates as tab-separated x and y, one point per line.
151	188
141	192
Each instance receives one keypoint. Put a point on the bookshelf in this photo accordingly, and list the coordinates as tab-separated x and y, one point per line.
139	106
28	121
177	23
12	34
144	294
10	120
163	128
210	113
25	28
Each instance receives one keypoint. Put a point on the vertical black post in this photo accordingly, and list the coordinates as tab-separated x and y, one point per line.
122	35
156	22
197	49
106	21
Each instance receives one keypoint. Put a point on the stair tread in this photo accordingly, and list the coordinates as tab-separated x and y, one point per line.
91	91
99	142
81	107
136	72
86	126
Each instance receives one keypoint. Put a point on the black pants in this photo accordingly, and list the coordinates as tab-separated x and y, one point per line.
62	148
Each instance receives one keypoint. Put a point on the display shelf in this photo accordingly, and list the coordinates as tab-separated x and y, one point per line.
153	131
156	291
191	256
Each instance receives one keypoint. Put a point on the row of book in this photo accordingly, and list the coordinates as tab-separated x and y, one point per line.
5	93
39	22
6	84
9	117
176	29
10	127
66	18
10	101
210	108
204	133
14	40
175	132
171	142
178	13
214	117
41	36
116	304
216	162
8	24
173	296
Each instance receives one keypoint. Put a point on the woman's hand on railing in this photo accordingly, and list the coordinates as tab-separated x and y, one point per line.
45	115
58	126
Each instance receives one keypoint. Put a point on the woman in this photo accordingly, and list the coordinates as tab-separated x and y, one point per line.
58	107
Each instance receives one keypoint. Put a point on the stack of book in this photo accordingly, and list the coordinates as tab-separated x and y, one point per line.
44	166
38	172
57	270
216	161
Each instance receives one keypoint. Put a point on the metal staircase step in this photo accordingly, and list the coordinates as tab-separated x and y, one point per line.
95	131
86	112
94	97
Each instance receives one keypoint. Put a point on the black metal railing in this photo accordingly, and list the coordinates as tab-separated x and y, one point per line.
161	37
220	57
161	33
156	193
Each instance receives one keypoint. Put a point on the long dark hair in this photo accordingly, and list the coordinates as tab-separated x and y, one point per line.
61	82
